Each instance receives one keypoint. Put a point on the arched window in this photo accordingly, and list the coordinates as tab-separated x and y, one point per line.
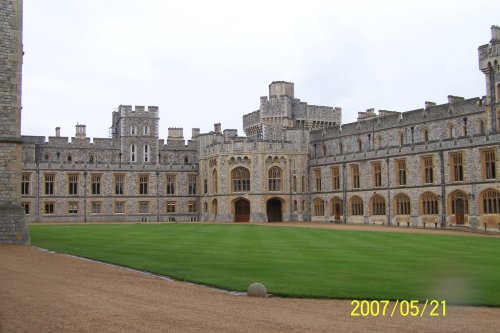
360	145
341	148
186	160
378	205
401	139
490	200
323	147
402	204
70	158
451	131
91	159
205	207
214	181
133	130
205	186
378	142
146	130
275	179
241	179
425	135
132	153
318	207
429	204
480	127
294	184
356	204
294	205
304	184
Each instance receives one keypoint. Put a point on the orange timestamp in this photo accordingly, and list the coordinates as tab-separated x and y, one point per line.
403	308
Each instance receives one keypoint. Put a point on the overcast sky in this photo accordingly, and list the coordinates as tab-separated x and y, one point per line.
204	62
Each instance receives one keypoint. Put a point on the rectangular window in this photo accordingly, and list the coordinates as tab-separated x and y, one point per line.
317	179
170	206
143	184
428	170
119	184
170	181
119	207
146	153
72	207
457	169
25	184
192	184
49	184
72	184
489	165
96	184
26	207
143	207
96	207
401	172
335	178
48	208
355	175
377	174
192	207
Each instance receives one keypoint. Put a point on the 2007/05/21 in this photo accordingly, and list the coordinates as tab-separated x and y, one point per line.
406	308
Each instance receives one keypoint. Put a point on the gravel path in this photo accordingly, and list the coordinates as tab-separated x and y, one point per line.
42	291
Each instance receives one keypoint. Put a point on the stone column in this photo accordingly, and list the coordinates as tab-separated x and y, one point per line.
13	228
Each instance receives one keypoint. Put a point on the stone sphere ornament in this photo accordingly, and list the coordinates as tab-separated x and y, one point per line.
257	289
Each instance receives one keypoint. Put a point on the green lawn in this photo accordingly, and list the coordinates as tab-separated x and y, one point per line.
295	262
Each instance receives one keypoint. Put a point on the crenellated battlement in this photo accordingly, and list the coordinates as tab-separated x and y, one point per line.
138	110
175	133
371	121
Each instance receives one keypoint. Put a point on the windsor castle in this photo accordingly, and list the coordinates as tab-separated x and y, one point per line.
435	166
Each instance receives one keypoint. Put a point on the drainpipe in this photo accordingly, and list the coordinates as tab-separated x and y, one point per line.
344	191
85	195
443	191
388	192
37	207
157	196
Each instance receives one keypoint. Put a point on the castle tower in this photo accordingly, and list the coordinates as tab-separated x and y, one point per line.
137	129
489	63
13	228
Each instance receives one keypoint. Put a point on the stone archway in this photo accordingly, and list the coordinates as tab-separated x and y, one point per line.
274	210
241	210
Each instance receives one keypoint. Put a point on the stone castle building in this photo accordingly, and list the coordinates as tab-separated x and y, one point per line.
432	166
13	227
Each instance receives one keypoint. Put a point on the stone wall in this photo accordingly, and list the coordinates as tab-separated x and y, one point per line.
13	228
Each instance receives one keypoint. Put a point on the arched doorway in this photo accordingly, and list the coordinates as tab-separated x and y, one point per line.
241	210
459	206
273	210
337	208
214	208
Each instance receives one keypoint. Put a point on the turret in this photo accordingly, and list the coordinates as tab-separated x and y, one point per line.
489	62
80	131
281	88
